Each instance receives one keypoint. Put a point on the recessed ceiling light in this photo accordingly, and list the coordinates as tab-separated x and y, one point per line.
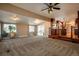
37	21
15	17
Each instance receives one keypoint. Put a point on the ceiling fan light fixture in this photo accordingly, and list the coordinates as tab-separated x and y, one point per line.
50	11
37	21
51	7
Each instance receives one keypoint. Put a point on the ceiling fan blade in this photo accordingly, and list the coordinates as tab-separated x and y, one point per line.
46	4
56	8
44	9
56	4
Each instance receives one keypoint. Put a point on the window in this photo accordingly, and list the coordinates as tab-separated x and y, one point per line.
6	28
40	30
31	28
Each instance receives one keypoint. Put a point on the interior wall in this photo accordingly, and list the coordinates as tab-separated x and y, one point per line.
0	30
22	30
47	26
35	32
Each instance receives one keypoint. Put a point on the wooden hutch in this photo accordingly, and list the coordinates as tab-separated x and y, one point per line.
62	33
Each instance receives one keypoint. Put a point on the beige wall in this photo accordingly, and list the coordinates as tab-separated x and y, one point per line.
47	26
35	32
0	29
22	30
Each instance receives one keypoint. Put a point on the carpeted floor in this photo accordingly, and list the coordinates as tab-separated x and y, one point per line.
38	46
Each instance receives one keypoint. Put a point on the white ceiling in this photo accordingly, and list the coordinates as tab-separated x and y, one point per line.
6	17
68	12
67	9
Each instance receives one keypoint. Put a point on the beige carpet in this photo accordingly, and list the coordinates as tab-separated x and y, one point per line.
38	46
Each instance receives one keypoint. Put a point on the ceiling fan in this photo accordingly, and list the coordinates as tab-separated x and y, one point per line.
51	6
